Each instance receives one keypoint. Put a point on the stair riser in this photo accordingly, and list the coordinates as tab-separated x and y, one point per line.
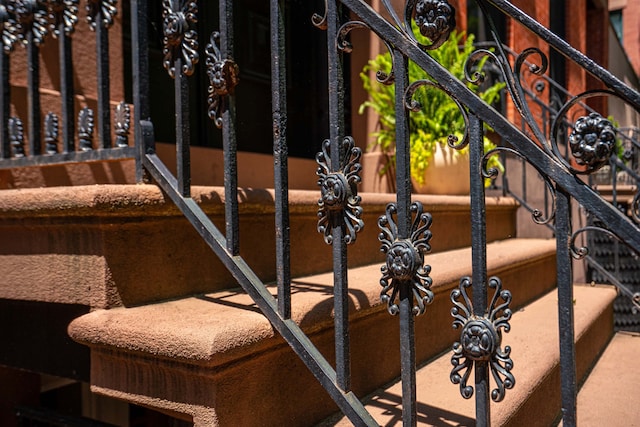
110	260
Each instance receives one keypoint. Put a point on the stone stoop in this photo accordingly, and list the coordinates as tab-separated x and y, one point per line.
214	359
105	246
535	399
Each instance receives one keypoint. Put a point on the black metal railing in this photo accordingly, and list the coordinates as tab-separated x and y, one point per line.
404	226
67	136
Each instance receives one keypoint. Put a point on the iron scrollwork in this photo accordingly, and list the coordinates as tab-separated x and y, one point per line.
180	40
51	133
16	136
29	18
122	121
405	259
62	13
7	33
339	203
101	10
85	129
481	339
223	78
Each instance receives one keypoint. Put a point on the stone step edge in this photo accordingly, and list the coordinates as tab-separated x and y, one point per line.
198	330
148	200
535	354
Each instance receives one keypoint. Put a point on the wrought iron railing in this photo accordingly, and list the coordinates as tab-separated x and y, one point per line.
32	24
405	234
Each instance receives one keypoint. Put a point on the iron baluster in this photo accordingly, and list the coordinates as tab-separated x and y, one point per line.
229	143
339	245
140	74
63	15
180	50
403	189
100	14
280	157
30	27
479	261
6	45
565	308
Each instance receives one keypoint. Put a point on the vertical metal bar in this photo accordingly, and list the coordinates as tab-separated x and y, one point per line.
479	260
565	309
66	89
403	186
102	63
280	156
339	247
5	99
140	70
229	144
183	153
33	96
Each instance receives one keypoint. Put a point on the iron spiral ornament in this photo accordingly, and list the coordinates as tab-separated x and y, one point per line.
180	39
29	21
223	78
481	339
405	259
339	204
62	14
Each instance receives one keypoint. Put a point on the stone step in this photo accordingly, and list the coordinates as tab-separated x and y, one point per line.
535	399
215	357
608	396
123	245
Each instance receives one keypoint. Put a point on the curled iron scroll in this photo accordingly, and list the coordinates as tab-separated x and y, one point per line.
582	252
536	214
413	105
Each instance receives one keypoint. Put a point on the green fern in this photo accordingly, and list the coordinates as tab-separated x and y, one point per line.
438	116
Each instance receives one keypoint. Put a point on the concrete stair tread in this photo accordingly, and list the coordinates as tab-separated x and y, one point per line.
217	328
609	397
534	351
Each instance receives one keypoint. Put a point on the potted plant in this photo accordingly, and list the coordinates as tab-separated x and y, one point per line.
430	127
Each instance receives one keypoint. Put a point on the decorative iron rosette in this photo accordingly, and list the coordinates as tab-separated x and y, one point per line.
51	133
223	78
122	122
85	129
436	19
63	12
29	17
592	141
481	339
7	33
16	136
180	40
101	10
339	202
405	259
